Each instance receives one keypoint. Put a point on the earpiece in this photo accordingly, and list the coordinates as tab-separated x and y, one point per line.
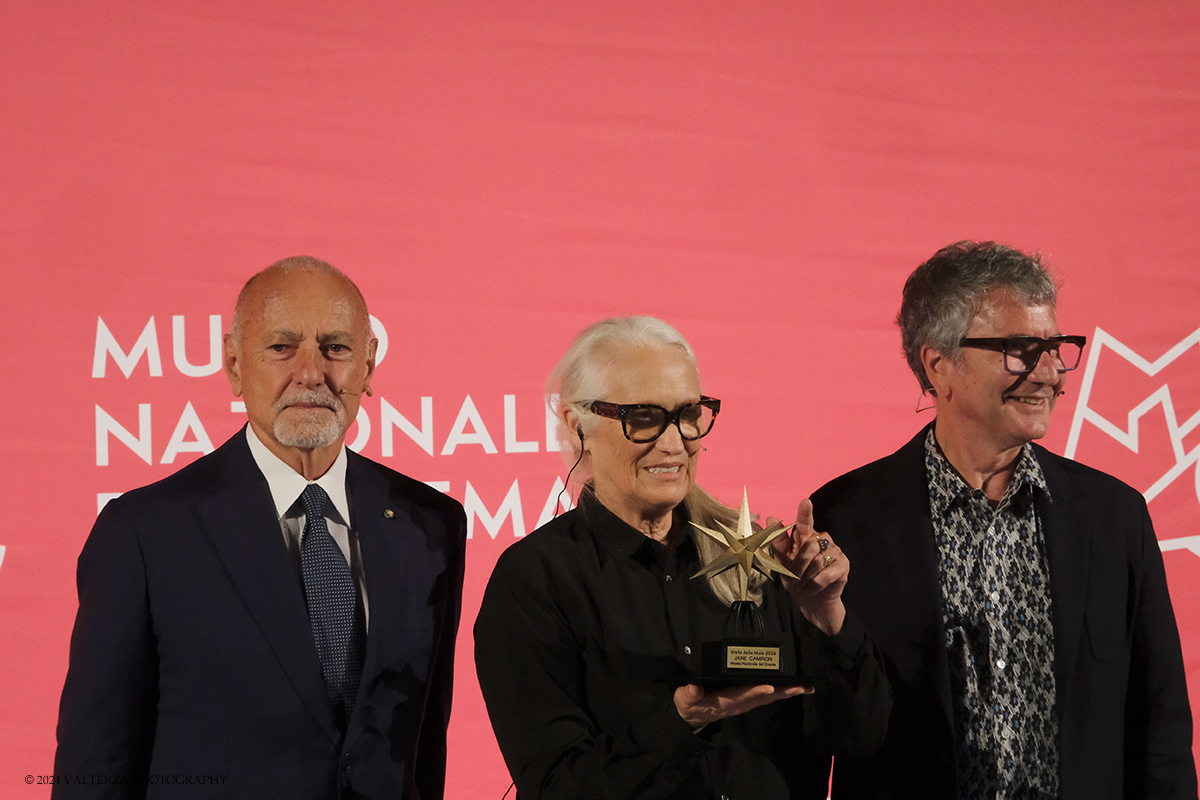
579	431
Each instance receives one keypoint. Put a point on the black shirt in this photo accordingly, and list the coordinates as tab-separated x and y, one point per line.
587	629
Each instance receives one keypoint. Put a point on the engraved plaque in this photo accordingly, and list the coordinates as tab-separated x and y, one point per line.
744	657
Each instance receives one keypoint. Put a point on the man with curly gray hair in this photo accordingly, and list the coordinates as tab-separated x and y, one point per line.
1018	597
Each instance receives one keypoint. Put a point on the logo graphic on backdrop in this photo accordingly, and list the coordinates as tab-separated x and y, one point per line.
1117	378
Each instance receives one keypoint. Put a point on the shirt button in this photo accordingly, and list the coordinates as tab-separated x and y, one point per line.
1001	663
687	650
1006	733
995	597
668	579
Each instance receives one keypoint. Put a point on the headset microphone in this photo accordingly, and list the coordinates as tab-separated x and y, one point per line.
558	500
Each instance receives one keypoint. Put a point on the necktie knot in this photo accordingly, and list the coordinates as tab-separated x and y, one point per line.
316	501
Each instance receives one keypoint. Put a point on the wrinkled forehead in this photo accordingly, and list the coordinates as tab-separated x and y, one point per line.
310	305
646	373
282	306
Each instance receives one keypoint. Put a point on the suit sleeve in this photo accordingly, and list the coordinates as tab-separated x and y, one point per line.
430	767
107	715
1158	736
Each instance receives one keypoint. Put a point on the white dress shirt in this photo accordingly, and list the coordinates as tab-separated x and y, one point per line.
286	487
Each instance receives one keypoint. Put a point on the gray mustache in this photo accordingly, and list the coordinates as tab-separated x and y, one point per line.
310	397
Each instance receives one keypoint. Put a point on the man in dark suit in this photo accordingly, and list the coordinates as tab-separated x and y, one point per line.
278	618
1018	597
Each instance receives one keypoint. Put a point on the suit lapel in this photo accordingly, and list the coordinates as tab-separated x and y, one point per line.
240	521
914	554
398	568
1067	551
888	533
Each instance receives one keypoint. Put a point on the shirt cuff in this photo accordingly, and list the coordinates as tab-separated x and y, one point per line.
666	730
843	650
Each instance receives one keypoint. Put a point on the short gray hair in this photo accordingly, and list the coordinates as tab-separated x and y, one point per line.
584	371
943	295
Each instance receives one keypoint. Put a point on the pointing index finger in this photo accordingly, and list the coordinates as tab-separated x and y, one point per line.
804	519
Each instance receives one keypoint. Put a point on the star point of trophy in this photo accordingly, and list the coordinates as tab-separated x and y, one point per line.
745	547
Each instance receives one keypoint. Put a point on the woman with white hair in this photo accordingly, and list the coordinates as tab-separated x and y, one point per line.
591	626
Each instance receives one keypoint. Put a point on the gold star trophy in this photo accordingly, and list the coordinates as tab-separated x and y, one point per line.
745	655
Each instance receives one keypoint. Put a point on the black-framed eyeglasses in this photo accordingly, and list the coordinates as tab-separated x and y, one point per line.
1022	353
645	422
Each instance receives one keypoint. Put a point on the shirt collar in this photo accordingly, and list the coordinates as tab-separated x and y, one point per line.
615	534
287	485
948	487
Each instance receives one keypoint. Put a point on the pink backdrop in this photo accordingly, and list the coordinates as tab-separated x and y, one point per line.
497	175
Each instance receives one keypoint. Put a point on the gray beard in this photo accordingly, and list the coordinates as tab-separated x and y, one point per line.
308	436
315	428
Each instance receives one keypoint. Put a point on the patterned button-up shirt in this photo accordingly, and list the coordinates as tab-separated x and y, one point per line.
999	630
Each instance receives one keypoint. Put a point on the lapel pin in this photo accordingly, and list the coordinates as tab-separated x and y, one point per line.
388	514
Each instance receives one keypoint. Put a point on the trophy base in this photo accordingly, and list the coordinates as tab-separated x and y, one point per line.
749	662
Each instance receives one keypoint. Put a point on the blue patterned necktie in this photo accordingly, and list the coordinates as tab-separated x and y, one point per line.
332	598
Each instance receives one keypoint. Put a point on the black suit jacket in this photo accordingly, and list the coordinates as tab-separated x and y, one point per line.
193	671
1125	727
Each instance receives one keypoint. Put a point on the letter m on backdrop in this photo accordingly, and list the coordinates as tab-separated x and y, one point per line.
106	345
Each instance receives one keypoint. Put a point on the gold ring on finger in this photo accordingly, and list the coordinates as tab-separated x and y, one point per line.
827	559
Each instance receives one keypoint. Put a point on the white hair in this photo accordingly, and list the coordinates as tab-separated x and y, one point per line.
584	371
583	374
